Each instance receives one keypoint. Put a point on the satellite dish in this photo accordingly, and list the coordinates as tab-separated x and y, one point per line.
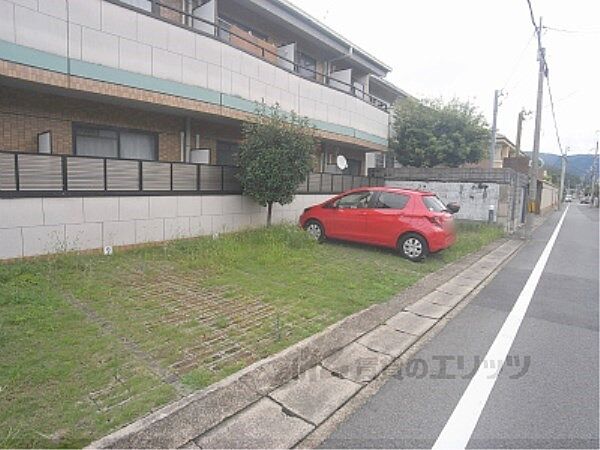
341	162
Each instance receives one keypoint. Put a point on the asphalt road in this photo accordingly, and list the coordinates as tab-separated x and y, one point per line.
545	396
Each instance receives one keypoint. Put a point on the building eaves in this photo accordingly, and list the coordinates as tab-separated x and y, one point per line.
350	49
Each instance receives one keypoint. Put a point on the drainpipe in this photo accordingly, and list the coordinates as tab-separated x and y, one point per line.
188	139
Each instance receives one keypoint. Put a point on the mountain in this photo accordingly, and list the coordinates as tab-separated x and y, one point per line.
577	165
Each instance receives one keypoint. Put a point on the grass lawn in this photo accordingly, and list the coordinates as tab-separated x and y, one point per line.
89	343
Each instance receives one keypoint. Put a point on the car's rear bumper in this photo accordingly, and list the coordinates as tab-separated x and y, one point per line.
440	239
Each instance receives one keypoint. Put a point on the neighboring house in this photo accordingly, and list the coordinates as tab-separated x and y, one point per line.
174	80
504	149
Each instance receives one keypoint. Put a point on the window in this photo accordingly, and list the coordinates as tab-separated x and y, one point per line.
391	201
355	200
114	143
227	153
307	66
433	203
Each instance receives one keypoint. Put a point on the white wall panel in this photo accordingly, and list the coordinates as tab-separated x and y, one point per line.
100	209
225	81
240	85
7	21
231	59
135	57
133	208
177	228
83	236
214	77
153	31
62	210
21	212
119	21
31	4
55	8
43	240
86	12
166	65
151	230
11	243
181	41
99	47
40	31
74	41
118	233
208	49
258	90
195	72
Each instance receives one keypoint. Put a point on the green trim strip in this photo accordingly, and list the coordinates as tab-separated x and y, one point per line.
118	76
44	60
32	57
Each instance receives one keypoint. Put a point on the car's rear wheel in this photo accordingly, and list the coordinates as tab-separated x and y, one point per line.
413	247
315	229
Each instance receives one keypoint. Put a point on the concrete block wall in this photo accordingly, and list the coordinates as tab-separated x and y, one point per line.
112	37
39	226
474	200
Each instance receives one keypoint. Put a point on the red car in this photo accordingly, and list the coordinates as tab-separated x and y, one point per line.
414	222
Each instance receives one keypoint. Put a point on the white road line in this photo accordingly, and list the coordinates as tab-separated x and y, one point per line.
461	424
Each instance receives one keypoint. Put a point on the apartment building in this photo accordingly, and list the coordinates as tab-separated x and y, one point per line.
173	80
120	121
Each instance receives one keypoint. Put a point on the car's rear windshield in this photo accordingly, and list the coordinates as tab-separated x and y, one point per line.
434	204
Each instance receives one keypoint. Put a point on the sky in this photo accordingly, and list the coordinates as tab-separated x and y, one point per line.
469	48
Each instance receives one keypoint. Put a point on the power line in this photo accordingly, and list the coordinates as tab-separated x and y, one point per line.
519	60
554	114
562	30
532	16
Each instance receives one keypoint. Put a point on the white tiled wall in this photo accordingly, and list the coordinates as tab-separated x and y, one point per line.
38	226
103	33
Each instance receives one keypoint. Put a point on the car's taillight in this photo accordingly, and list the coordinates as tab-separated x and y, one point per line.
436	221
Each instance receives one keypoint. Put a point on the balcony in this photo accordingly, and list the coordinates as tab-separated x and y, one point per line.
236	36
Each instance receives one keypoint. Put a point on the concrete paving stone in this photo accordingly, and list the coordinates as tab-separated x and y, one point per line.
263	425
316	394
443	298
356	362
476	273
411	323
427	309
385	339
458	286
179	422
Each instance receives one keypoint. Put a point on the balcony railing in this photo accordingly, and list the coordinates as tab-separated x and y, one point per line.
34	175
233	35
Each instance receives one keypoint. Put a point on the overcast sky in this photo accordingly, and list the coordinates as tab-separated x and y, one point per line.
468	48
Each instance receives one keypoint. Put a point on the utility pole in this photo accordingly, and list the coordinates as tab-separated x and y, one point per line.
497	94
595	175
520	120
563	170
533	173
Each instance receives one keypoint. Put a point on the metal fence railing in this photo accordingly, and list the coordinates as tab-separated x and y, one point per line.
35	175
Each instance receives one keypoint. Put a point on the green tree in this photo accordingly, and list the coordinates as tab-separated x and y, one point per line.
275	156
432	133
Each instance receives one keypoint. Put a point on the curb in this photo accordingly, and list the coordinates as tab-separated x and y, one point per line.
219	415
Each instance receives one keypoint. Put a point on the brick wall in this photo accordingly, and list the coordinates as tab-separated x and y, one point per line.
25	114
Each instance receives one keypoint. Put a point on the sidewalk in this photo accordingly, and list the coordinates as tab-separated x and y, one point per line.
279	401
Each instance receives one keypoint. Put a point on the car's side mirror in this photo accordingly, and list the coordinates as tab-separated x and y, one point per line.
331	205
453	207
